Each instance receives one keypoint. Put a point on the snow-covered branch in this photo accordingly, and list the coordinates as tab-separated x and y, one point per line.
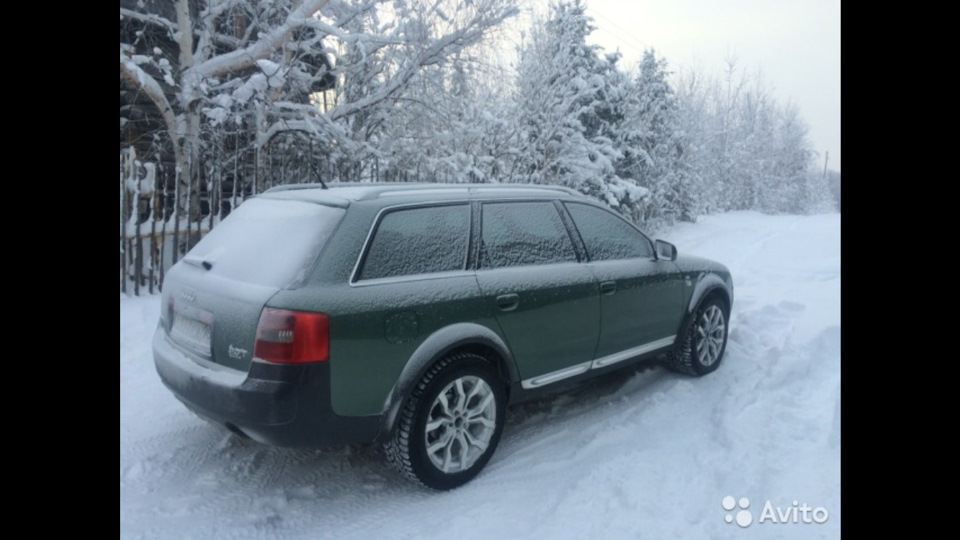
142	81
351	37
210	16
437	51
150	18
268	43
284	126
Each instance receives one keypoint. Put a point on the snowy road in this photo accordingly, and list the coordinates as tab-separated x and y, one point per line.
644	455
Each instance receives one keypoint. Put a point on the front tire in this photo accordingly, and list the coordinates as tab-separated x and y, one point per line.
451	424
700	347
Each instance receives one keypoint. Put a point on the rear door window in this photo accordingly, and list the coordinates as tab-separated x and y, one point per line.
416	241
523	233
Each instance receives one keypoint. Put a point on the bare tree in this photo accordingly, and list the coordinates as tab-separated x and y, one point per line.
246	64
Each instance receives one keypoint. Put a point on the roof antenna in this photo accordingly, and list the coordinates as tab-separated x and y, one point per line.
313	168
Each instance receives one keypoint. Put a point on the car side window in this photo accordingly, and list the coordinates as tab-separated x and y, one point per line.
606	236
523	233
418	241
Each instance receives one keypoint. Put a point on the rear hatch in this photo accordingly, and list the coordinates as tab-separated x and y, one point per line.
213	297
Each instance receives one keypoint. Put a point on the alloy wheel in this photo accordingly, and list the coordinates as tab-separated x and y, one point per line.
461	422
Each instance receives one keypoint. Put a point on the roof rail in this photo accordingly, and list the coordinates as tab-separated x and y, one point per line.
318	185
393	187
549	187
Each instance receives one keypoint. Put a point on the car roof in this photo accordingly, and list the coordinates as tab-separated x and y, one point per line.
342	194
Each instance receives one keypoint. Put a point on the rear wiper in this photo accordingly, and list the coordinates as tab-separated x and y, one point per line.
205	264
205	261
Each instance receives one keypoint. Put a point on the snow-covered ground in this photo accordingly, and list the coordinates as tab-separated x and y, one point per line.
644	455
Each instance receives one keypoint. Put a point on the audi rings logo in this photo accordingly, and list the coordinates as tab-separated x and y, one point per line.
189	294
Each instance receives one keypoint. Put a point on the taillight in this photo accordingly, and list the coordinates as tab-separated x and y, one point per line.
292	337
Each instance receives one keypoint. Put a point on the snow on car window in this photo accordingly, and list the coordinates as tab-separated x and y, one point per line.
419	241
606	236
267	242
523	233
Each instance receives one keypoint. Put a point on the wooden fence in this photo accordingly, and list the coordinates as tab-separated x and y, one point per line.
152	234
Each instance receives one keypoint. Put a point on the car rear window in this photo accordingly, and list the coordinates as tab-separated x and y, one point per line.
419	241
267	242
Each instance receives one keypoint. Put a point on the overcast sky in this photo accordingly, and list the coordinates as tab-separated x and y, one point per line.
796	44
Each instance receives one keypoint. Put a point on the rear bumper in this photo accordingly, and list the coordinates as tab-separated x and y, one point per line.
280	405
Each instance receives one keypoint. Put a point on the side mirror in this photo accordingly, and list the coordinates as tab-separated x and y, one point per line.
666	251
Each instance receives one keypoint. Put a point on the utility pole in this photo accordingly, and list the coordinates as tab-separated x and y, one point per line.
826	157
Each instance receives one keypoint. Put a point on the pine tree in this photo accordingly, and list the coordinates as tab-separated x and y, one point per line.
662	169
566	121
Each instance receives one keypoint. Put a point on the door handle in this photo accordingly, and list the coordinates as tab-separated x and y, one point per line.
608	287
508	302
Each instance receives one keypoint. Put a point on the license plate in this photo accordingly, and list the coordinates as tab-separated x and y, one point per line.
192	334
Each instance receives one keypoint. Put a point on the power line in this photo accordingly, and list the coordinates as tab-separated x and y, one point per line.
638	44
618	41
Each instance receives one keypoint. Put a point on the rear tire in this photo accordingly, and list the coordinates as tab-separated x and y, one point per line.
700	346
451	424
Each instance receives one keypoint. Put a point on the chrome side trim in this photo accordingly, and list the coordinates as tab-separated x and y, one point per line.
573	371
555	376
414	277
630	353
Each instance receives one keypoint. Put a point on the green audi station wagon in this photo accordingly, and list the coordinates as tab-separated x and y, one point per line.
413	315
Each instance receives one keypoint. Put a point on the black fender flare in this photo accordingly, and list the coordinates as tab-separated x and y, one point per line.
707	283
435	347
